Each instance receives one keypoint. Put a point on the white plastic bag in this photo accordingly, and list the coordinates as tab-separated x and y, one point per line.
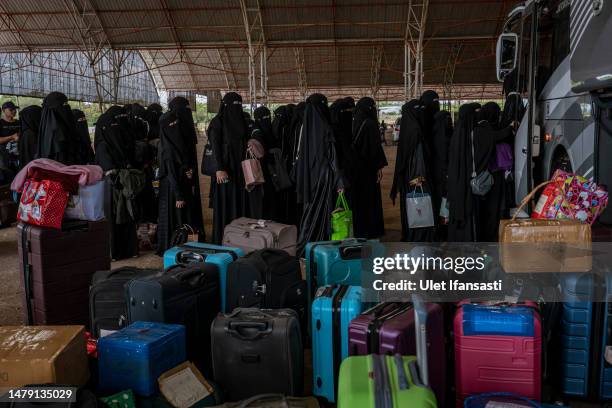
419	210
88	205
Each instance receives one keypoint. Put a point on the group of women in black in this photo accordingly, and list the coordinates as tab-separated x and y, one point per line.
323	150
439	161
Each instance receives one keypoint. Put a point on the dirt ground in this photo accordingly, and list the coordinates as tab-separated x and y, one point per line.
11	294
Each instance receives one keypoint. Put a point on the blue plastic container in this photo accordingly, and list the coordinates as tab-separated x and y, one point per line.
332	311
199	252
134	357
479	320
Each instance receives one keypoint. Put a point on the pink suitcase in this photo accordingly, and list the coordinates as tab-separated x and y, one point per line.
497	349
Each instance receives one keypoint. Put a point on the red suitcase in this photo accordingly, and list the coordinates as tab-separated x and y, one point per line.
498	348
57	269
388	328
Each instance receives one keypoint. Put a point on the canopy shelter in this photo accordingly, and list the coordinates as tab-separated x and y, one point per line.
277	50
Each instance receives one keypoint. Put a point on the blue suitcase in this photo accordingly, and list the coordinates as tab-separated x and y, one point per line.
576	334
605	372
199	252
332	311
137	355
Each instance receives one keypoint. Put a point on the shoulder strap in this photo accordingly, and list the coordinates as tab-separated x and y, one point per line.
473	159
356	138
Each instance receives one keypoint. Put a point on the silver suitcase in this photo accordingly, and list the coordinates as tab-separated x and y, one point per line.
250	235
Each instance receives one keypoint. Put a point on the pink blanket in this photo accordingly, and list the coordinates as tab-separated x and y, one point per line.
87	174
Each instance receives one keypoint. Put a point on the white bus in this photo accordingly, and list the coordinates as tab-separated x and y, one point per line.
559	54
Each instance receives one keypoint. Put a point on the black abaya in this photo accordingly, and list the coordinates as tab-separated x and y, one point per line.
113	154
317	177
153	113
263	132
58	138
176	185
341	120
228	133
86	151
412	167
486	137
364	160
462	227
442	133
28	140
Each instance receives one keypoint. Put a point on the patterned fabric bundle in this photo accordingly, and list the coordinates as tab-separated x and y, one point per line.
569	196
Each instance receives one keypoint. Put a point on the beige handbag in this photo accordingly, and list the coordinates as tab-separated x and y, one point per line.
251	168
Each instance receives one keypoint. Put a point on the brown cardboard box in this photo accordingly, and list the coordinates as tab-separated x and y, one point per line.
42	354
539	245
184	385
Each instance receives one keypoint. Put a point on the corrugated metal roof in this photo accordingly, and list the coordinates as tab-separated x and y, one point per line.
338	39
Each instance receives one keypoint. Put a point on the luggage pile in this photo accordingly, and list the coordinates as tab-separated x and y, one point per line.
233	325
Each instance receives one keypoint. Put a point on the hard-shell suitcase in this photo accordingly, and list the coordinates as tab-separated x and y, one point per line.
134	357
258	351
267	278
385	381
186	295
504	399
250	235
332	311
389	328
107	305
576	335
604	314
193	252
497	349
57	267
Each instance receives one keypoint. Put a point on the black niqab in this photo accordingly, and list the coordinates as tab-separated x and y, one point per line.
153	113
58	138
28	140
115	146
316	172
461	209
86	151
263	122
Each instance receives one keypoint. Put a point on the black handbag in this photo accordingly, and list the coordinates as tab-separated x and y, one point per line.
209	163
277	168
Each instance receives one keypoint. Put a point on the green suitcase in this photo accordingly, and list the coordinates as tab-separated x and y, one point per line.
377	381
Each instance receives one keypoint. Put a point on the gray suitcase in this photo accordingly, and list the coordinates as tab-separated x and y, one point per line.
250	235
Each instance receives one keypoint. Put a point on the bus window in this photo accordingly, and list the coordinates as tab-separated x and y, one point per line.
561	34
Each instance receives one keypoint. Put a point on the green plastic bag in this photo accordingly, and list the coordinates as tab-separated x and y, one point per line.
342	219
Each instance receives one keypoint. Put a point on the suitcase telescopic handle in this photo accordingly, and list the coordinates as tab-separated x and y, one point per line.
187	257
351	252
239	327
420	327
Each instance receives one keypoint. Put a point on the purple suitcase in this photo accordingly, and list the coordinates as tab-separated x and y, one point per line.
388	328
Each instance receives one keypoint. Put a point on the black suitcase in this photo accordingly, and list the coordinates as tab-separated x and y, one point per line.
8	207
267	278
187	295
258	351
107	304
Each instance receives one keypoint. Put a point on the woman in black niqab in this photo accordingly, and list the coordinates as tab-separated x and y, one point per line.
442	133
58	138
317	174
363	171
114	155
228	134
86	151
497	202
153	113
462	222
412	169
179	200
341	120
28	140
263	200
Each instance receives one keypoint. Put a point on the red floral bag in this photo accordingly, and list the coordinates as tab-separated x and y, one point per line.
43	203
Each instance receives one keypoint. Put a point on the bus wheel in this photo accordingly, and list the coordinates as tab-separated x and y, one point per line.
561	161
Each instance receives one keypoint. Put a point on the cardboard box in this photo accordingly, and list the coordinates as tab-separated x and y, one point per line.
184	386
43	354
541	245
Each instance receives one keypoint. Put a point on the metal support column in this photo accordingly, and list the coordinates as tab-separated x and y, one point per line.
413	48
256	41
377	55
449	74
